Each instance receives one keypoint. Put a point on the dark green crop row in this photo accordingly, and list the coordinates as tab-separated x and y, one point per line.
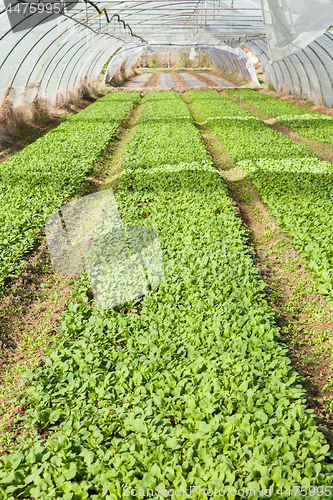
187	386
41	177
303	121
294	182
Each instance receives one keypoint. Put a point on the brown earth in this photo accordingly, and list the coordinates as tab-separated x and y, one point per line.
204	79
211	84
302	314
153	81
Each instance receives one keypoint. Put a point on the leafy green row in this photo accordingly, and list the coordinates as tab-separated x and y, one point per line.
294	182
45	174
187	386
303	121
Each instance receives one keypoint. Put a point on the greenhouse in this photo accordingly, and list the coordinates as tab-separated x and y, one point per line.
166	257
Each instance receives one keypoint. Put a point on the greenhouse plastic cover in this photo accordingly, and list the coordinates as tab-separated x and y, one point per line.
308	73
291	25
46	59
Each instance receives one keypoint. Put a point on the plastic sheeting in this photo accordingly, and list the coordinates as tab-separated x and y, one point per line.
48	59
291	25
128	56
309	72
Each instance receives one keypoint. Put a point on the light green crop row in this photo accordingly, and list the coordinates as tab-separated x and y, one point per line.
187	386
294	182
42	177
303	121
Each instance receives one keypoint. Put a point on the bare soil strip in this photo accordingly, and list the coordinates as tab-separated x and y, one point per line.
181	85
152	82
305	319
35	302
322	149
204	79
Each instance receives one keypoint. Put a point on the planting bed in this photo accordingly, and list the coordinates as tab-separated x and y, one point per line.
294	182
189	385
303	121
45	174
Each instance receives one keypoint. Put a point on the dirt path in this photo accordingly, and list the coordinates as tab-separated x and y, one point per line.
322	149
304	318
181	85
204	79
152	82
35	302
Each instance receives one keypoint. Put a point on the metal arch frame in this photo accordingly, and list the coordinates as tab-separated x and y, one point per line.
34	43
55	55
56	67
26	34
262	50
84	47
301	73
224	56
68	84
300	66
276	82
97	63
322	84
50	62
88	70
309	68
27	54
254	47
324	44
308	71
170	14
289	73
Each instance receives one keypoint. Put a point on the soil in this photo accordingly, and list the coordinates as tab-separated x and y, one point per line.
152	82
211	84
204	79
283	270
